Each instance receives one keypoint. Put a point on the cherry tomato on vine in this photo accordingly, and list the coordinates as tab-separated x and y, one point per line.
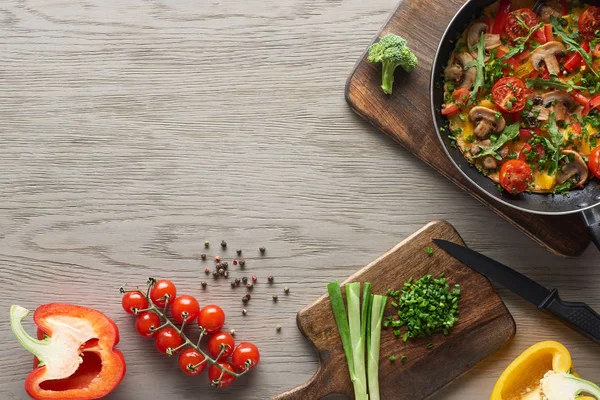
589	22
510	94
515	176
594	162
514	29
134	300
168	338
160	290
214	373
211	318
218	339
243	352
185	308
189	360
146	322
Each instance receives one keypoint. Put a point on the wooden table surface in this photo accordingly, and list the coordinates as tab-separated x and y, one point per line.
132	131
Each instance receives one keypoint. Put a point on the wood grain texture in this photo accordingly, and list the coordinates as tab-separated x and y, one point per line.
484	325
131	131
397	116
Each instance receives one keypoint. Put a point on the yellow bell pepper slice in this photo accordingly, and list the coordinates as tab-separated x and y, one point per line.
523	375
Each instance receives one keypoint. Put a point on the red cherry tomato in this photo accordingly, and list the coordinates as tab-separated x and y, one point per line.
243	352
594	162
510	94
515	176
461	96
527	133
514	29
146	322
589	22
185	308
221	339
211	318
168	338
162	290
189	360
132	301
214	373
527	148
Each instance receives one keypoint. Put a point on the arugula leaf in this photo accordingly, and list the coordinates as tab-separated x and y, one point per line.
509	133
480	65
553	82
572	44
521	42
556	141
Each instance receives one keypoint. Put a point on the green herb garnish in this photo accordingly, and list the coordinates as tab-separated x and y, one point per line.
480	65
509	133
572	43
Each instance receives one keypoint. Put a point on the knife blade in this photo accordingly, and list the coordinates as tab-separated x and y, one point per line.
577	315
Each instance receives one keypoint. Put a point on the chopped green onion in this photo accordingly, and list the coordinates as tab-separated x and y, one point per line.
357	340
341	319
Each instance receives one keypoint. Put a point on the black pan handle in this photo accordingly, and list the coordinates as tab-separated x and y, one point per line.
591	216
576	315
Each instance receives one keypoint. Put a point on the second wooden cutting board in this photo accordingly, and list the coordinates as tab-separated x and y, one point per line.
484	325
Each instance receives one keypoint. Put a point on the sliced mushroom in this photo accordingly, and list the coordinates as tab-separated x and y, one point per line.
478	146
544	11
539	113
486	120
489	162
560	103
547	53
456	71
491	40
572	169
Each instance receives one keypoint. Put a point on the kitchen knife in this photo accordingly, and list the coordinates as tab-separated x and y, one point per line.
576	315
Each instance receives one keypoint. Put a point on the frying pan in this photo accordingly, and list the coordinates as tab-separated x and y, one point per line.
585	201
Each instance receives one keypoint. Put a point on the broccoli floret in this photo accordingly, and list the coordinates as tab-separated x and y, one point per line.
392	51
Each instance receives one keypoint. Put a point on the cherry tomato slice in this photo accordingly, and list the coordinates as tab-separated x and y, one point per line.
221	339
161	291
244	353
189	360
510	94
185	308
133	301
146	323
461	97
514	29
527	133
589	22
593	162
168	338
211	318
214	373
527	149
515	176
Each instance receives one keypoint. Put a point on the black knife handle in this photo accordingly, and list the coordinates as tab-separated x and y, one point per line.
577	315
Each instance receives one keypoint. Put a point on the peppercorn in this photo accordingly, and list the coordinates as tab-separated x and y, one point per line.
203	257
234	262
206	244
254	278
248	296
232	284
262	249
226	274
203	284
286	290
278	327
207	270
217	259
270	278
225	264
215	274
244	279
239	252
242	263
274	297
232	332
249	285
218	265
245	299
237	281
244	312
223	244
220	271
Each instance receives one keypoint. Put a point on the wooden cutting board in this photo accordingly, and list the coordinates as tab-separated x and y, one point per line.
484	325
406	117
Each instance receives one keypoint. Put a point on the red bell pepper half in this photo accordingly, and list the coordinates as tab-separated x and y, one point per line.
76	355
